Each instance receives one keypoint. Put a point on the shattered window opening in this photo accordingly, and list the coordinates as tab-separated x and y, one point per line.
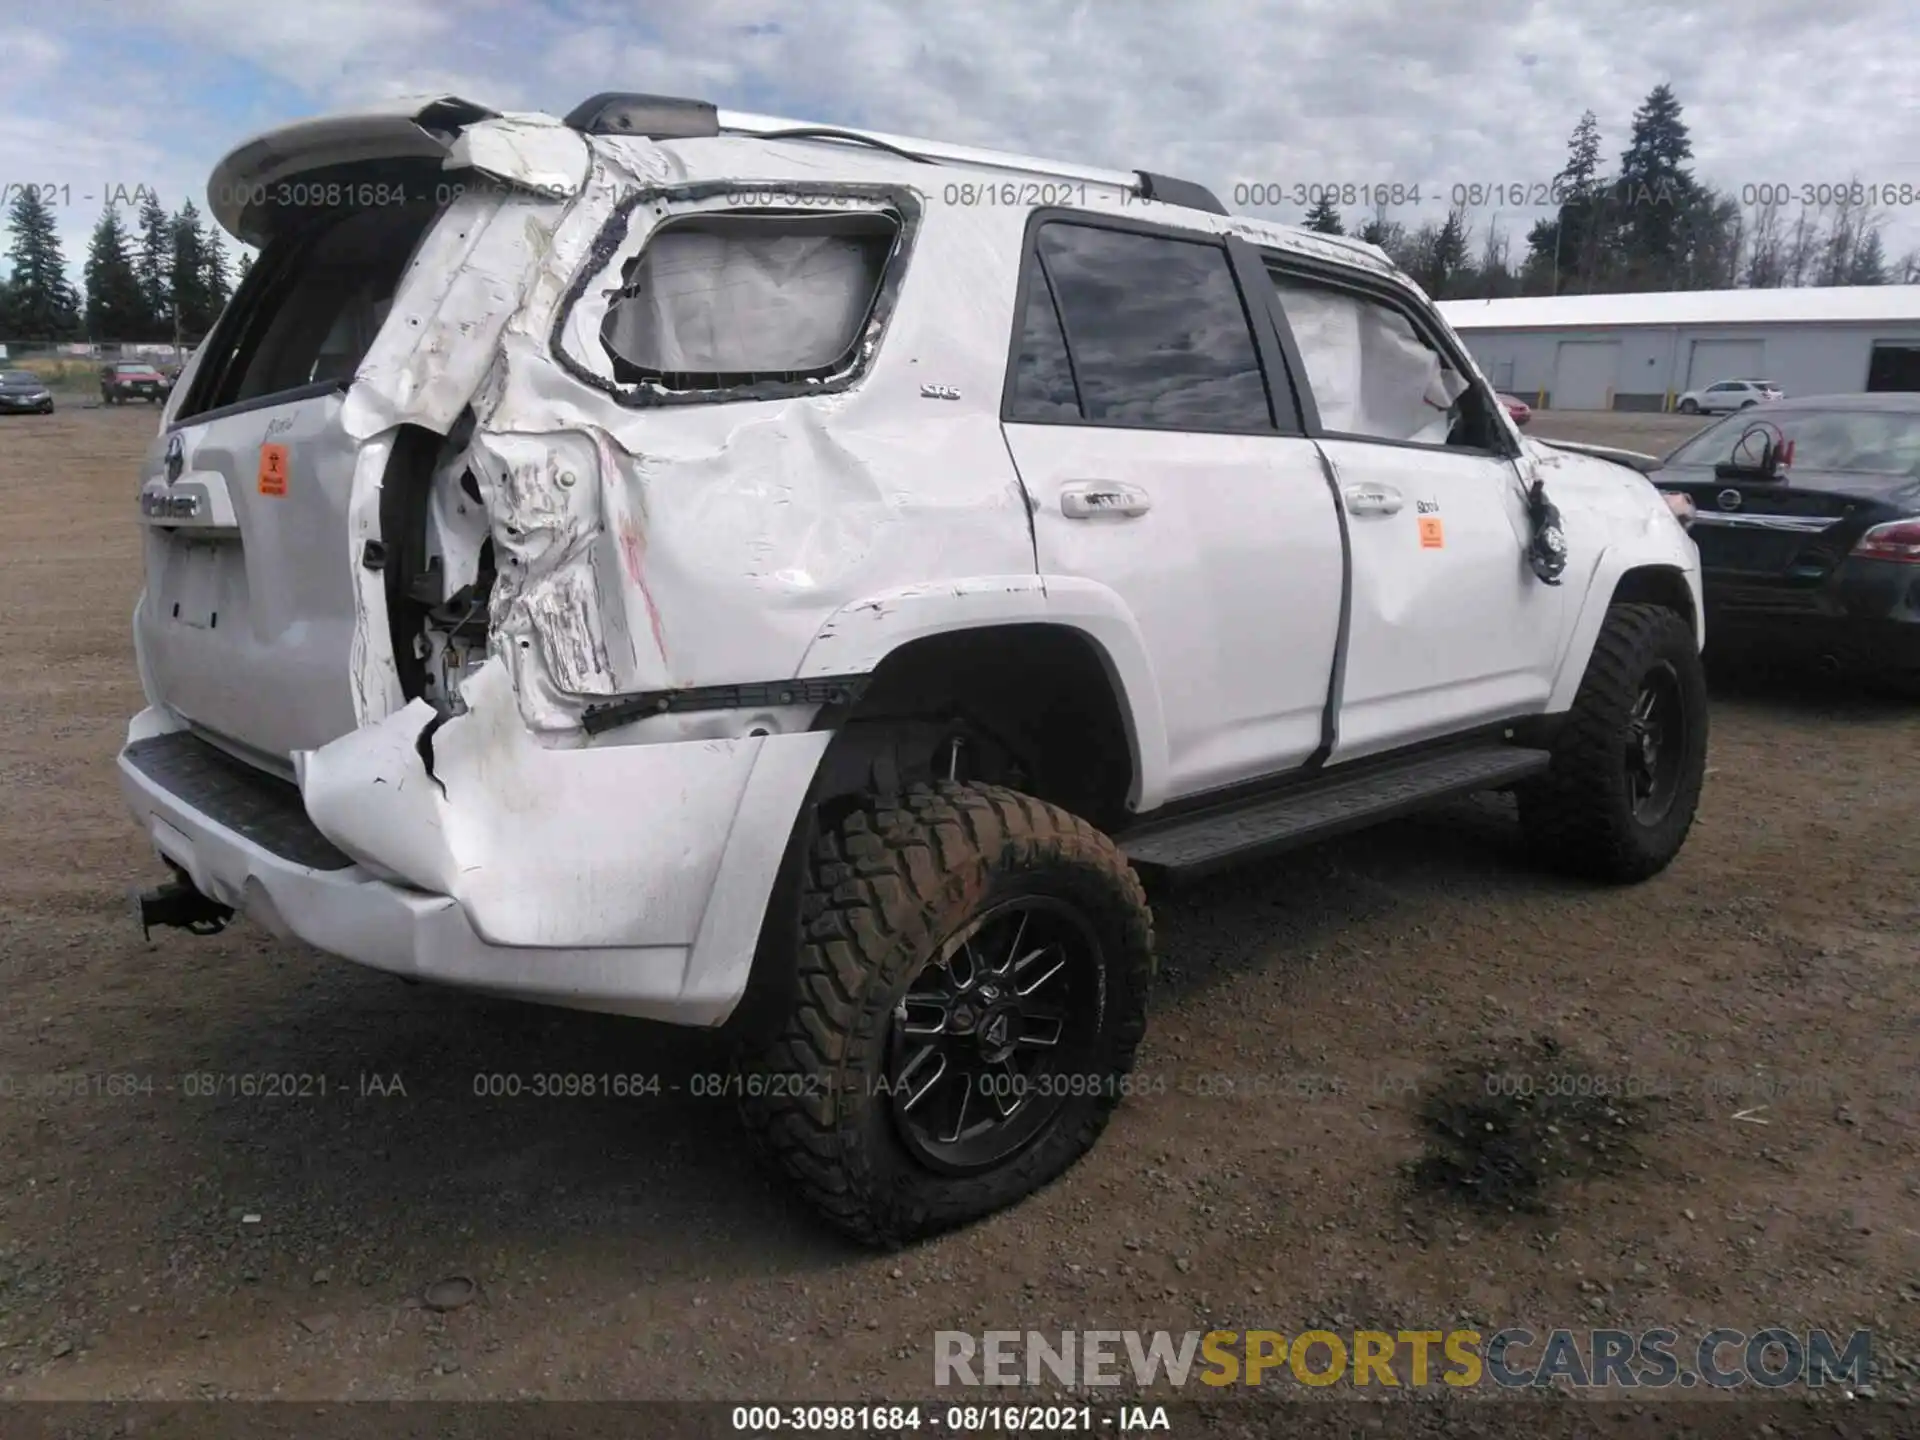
716	301
1373	375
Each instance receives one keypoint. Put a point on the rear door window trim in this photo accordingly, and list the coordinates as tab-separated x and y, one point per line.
1282	402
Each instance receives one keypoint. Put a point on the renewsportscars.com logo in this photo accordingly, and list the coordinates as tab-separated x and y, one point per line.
1723	1359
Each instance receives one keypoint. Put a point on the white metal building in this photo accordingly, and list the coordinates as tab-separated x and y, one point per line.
1641	352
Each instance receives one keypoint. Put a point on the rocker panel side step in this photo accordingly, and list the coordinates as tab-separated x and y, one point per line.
1190	845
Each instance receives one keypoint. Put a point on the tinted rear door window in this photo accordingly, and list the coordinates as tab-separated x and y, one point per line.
311	306
1156	329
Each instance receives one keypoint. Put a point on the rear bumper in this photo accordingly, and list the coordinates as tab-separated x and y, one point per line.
1855	645
1865	616
629	879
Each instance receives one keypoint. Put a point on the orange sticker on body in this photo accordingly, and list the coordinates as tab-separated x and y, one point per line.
273	469
1432	536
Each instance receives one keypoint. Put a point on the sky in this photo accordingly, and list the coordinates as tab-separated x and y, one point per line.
104	99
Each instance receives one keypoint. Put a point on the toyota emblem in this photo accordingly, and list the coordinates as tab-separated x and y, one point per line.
1728	499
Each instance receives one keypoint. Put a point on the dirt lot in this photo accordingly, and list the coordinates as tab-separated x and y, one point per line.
169	1244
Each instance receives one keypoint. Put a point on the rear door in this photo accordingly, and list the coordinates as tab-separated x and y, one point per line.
1140	417
247	624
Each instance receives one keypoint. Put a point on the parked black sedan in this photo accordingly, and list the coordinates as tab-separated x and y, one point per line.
23	392
1807	515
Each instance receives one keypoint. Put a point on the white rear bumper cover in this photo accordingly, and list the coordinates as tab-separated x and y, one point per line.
622	878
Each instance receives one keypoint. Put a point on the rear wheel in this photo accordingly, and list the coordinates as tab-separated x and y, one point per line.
973	981
1619	798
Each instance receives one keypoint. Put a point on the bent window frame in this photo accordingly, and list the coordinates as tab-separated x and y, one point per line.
612	251
1426	325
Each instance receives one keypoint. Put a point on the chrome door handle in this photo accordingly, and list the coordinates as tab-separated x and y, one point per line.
1372	500
1087	499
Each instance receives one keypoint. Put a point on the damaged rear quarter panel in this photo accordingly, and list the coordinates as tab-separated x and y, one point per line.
615	845
707	542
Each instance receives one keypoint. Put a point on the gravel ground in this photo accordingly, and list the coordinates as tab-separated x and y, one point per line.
1313	1015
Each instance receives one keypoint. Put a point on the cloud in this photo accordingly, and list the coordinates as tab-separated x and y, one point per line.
1229	92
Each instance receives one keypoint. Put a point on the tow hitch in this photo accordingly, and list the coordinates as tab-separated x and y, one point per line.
179	904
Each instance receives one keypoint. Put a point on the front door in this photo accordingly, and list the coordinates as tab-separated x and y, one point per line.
1450	628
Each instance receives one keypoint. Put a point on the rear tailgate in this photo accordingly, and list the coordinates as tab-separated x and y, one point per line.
248	622
260	499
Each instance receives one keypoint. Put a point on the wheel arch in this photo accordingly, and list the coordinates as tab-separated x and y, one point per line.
1624	577
1068	629
884	631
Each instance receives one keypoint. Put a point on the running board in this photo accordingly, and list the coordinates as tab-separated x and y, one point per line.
1193	844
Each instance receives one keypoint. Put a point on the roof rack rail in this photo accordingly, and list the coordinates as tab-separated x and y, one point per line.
666	117
656	117
1171	191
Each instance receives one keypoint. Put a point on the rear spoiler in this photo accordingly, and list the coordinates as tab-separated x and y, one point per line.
1632	459
250	190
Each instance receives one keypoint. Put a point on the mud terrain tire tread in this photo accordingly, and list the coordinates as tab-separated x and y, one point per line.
881	892
1577	816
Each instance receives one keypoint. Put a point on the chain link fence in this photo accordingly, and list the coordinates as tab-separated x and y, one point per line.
73	366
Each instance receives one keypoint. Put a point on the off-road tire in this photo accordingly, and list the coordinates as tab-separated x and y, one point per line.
1579	816
881	894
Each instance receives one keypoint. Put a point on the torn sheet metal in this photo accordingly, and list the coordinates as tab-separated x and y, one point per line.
529	151
471	273
1371	373
706	544
606	845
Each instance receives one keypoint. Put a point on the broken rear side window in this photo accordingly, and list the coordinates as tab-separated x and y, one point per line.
723	300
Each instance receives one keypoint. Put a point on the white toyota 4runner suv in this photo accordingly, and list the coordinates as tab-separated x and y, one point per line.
700	566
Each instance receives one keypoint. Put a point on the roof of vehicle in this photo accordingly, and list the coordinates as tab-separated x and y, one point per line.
712	140
1804	304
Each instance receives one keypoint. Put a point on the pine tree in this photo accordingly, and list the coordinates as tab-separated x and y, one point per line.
154	266
1324	218
1869	262
218	280
1567	253
41	303
1439	254
193	303
1656	191
116	309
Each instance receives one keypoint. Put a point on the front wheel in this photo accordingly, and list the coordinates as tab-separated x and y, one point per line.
1619	798
973	981
1689	407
